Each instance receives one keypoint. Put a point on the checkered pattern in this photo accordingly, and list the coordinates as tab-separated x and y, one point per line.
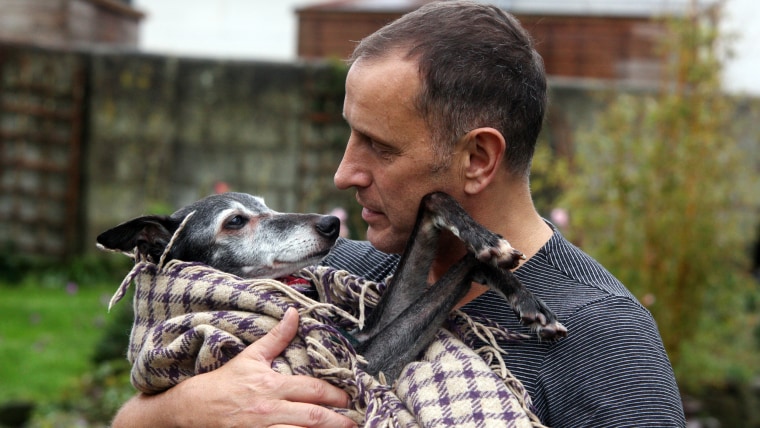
191	319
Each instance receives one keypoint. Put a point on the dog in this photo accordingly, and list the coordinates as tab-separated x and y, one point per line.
237	233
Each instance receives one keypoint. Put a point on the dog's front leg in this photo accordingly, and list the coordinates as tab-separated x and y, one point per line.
411	278
392	348
446	213
437	211
498	256
530	310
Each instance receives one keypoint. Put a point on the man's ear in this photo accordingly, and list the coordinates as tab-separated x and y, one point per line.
483	154
149	234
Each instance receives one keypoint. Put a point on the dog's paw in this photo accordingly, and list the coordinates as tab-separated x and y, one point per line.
501	255
550	331
542	320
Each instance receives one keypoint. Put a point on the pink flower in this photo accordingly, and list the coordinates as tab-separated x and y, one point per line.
560	217
221	187
72	287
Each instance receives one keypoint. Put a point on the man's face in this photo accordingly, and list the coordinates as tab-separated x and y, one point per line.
389	157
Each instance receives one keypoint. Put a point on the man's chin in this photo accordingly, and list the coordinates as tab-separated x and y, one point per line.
385	241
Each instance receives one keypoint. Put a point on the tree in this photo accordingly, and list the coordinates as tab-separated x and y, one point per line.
662	195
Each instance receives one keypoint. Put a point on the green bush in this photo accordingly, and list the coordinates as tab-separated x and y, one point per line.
92	402
17	269
666	198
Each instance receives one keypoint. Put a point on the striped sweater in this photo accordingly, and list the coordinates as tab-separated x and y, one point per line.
611	370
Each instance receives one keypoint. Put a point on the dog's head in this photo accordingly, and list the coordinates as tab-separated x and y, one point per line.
234	232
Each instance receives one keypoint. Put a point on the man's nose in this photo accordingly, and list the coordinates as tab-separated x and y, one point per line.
352	171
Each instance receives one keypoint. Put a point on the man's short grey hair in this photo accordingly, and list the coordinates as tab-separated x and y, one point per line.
478	68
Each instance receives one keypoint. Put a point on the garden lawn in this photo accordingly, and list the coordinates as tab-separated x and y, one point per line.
47	337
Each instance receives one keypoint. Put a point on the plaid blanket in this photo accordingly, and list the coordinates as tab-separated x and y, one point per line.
191	319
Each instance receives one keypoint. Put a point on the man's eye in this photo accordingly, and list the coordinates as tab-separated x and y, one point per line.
236	222
381	149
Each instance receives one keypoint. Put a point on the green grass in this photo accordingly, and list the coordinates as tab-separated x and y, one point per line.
48	333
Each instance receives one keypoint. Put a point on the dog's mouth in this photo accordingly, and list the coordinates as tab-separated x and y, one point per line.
307	260
283	267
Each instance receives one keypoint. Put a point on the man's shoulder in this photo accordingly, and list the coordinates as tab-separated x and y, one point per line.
569	281
362	259
566	277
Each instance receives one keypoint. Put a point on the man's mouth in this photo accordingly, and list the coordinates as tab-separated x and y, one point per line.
368	214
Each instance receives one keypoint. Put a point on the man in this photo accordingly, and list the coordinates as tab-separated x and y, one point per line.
451	97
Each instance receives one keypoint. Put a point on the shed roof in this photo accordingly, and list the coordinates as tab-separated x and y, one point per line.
628	8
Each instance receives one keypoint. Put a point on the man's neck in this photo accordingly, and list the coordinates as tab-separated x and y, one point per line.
509	211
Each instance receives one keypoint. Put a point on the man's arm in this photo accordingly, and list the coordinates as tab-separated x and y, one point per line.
243	392
611	371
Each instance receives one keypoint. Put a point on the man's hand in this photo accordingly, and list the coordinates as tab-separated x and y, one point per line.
243	392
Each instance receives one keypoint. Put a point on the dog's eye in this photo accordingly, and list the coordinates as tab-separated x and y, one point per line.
236	222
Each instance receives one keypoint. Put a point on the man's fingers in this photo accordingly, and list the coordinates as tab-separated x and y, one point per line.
305	389
306	415
298	393
273	343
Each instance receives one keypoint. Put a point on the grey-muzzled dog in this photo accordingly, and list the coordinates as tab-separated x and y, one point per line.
237	233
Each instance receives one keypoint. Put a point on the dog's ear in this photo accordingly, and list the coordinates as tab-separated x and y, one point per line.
150	234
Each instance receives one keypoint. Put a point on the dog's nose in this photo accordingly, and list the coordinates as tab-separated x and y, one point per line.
329	226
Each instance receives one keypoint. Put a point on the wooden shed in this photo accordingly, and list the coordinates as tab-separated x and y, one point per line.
590	39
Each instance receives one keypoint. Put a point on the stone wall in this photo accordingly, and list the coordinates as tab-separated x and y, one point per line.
148	134
159	132
167	131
